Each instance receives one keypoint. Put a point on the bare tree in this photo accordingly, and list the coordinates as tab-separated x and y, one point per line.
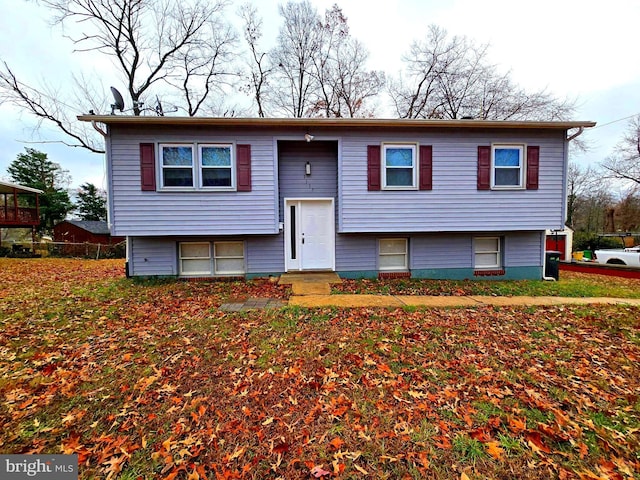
47	107
258	62
624	163
332	32
298	43
344	84
450	77
147	40
579	182
591	205
627	214
414	93
321	68
205	65
355	85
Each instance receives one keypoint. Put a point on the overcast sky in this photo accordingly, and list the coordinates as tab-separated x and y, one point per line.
586	49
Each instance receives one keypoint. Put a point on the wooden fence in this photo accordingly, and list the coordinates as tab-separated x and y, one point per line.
63	249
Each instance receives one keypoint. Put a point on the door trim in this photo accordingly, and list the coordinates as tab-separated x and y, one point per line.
296	266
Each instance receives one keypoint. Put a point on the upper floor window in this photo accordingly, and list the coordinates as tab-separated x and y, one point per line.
177	165
216	163
211	168
508	166
399	166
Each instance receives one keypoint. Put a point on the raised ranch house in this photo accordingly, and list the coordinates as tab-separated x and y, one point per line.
450	199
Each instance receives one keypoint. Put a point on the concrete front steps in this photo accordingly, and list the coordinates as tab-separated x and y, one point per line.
310	283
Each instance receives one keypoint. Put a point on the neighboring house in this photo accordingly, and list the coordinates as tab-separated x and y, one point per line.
456	199
84	231
19	206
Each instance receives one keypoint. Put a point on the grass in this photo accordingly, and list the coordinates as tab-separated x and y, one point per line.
150	379
469	449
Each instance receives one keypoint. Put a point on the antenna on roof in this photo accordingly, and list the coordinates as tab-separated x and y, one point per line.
159	110
119	101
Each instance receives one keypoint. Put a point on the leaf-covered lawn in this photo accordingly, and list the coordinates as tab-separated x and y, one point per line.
151	380
571	284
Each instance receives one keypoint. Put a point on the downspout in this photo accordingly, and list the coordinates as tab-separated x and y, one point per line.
544	262
577	134
98	129
544	268
544	273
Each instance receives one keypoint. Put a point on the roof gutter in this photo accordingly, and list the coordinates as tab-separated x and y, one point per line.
575	135
306	123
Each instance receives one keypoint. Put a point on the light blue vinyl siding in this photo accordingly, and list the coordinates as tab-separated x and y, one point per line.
437	251
157	256
356	253
440	223
294	183
441	251
264	254
454	203
138	213
152	257
522	248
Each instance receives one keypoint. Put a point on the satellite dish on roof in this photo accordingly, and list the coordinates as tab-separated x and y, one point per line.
119	101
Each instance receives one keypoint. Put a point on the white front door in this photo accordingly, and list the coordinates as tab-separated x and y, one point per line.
309	234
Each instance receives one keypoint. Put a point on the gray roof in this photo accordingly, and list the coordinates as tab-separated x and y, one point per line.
91	226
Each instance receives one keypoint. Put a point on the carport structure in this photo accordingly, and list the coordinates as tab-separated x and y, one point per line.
19	207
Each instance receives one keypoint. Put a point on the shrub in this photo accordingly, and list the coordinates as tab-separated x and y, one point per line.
592	241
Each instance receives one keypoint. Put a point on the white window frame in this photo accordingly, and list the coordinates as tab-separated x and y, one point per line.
233	257
168	167
181	259
403	268
201	167
498	253
512	146
414	178
196	167
212	258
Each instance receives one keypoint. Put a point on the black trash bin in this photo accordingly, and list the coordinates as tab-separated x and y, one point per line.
552	264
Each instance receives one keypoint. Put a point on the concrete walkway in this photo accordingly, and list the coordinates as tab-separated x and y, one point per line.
447	301
253	304
314	290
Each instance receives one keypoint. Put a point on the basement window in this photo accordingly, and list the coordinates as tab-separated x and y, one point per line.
393	254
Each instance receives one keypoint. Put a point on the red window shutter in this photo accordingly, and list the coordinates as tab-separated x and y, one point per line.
147	167
533	167
373	167
426	167
243	162
484	168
